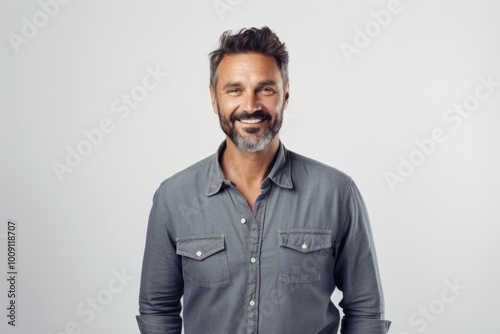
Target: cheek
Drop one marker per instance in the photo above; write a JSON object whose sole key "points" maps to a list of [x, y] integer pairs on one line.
{"points": [[276, 101], [228, 106], [278, 106]]}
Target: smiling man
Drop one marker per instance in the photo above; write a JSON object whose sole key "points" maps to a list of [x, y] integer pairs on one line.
{"points": [[256, 238]]}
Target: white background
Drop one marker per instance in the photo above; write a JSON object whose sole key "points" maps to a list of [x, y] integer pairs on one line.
{"points": [[361, 113]]}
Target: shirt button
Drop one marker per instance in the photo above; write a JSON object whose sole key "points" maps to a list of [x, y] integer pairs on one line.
{"points": [[253, 260], [199, 253], [252, 303], [243, 220], [304, 246]]}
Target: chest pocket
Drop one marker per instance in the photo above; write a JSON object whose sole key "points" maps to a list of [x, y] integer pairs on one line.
{"points": [[301, 254], [204, 260]]}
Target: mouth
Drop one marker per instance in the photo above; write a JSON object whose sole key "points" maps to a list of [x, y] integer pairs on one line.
{"points": [[252, 120]]}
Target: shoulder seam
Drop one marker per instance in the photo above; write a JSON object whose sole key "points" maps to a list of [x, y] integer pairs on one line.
{"points": [[345, 204], [199, 164]]}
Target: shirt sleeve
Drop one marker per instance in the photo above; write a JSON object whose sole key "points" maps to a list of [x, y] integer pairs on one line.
{"points": [[356, 271], [161, 279]]}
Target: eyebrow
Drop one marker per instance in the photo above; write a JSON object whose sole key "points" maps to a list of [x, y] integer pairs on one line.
{"points": [[232, 85], [239, 84], [268, 83]]}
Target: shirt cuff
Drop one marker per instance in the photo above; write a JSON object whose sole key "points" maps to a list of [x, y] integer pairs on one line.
{"points": [[154, 324], [364, 326]]}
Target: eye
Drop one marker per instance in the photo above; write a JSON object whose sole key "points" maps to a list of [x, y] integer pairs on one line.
{"points": [[233, 91], [267, 90]]}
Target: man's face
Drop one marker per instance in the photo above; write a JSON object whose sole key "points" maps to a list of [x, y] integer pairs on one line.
{"points": [[250, 99]]}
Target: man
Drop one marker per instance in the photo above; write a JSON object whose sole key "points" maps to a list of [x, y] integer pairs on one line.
{"points": [[255, 238]]}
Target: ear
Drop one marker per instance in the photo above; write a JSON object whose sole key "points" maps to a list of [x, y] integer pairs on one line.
{"points": [[286, 95], [213, 99]]}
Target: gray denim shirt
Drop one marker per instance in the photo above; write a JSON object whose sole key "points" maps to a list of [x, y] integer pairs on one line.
{"points": [[270, 271]]}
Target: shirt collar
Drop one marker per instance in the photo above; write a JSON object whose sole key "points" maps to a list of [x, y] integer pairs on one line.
{"points": [[281, 173]]}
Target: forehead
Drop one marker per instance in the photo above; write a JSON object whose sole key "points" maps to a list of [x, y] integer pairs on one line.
{"points": [[248, 66]]}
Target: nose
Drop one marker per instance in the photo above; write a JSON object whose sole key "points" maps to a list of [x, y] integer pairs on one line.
{"points": [[251, 102]]}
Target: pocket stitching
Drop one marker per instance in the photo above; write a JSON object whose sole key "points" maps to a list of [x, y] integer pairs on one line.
{"points": [[222, 247], [316, 274]]}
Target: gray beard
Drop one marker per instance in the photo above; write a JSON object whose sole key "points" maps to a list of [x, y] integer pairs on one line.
{"points": [[253, 144]]}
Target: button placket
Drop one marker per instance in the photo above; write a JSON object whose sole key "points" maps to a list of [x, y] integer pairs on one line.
{"points": [[255, 229], [253, 251]]}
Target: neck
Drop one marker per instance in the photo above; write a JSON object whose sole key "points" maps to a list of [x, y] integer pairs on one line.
{"points": [[248, 168]]}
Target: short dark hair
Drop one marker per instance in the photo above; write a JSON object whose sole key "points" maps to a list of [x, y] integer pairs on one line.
{"points": [[249, 40]]}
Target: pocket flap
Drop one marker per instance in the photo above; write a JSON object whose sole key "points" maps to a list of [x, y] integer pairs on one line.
{"points": [[305, 240], [200, 247]]}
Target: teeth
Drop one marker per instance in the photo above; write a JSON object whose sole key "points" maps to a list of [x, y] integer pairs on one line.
{"points": [[251, 121]]}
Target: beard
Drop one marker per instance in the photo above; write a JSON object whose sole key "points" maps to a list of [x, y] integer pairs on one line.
{"points": [[254, 142]]}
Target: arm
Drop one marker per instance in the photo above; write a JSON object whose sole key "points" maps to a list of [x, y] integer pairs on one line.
{"points": [[161, 281], [356, 271]]}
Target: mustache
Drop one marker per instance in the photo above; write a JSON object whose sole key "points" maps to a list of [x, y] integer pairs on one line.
{"points": [[256, 114]]}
